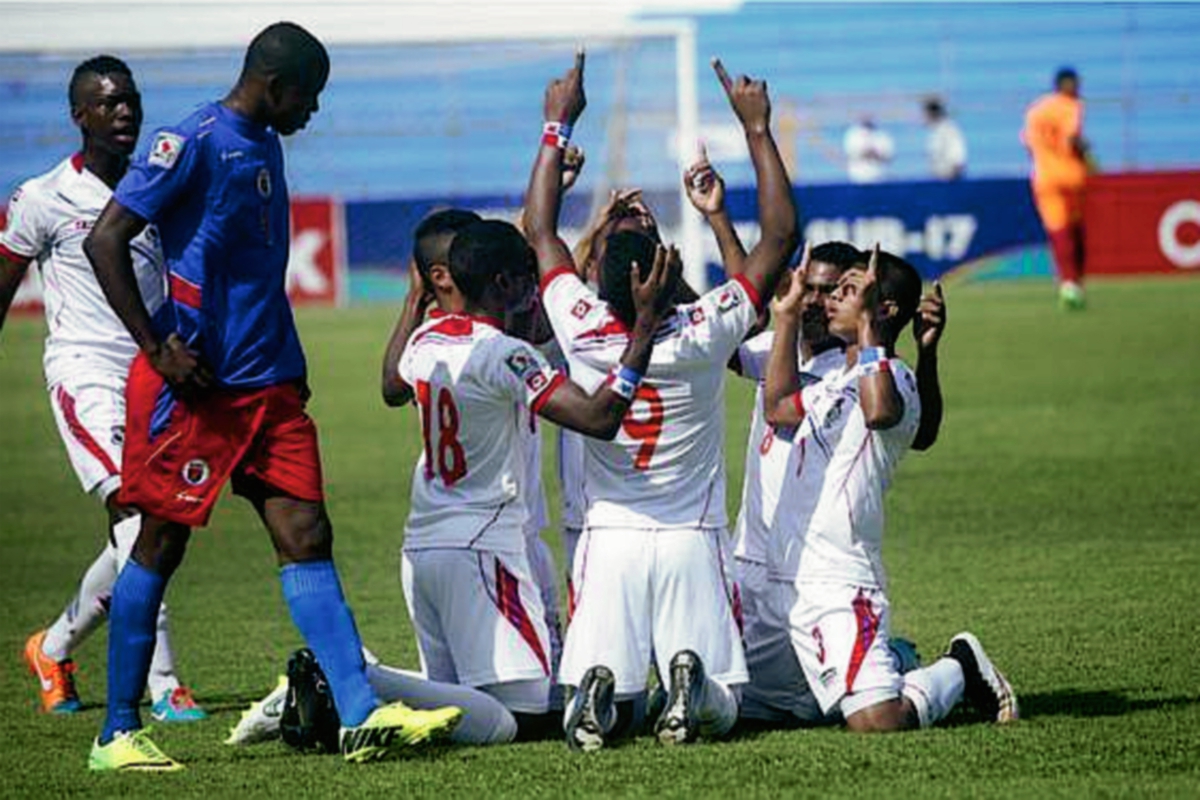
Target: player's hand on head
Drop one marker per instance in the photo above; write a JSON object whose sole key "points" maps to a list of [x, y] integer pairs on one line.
{"points": [[565, 99], [419, 292], [930, 319], [573, 160], [180, 366], [650, 295], [748, 98], [705, 186], [790, 292]]}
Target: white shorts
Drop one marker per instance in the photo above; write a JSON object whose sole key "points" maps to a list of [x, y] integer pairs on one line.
{"points": [[841, 636], [643, 595], [778, 692], [91, 422], [751, 578], [479, 619]]}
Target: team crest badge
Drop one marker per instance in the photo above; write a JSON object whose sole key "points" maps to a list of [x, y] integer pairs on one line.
{"points": [[696, 315], [581, 309], [728, 300], [521, 364], [263, 182], [165, 150], [196, 472]]}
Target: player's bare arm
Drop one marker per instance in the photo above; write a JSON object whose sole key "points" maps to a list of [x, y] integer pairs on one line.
{"points": [[881, 403], [928, 325], [621, 202], [600, 414], [776, 206], [107, 247], [573, 161], [12, 272], [395, 391], [706, 191], [781, 386], [563, 104]]}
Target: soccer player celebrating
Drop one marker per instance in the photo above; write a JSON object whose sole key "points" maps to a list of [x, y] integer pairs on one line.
{"points": [[218, 390], [88, 353], [1053, 133], [467, 578], [649, 572], [828, 581]]}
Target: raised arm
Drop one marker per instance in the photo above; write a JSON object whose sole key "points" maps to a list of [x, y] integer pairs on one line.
{"points": [[564, 102], [600, 414], [928, 325], [395, 391], [706, 191], [776, 208], [107, 248], [881, 403], [781, 384]]}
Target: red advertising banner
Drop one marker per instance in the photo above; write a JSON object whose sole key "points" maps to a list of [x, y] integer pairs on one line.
{"points": [[316, 262], [1146, 222]]}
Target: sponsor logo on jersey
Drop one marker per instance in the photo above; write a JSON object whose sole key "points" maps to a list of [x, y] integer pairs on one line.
{"points": [[521, 364], [196, 472], [118, 435], [695, 315], [728, 300], [537, 381], [263, 183], [165, 150], [828, 676], [581, 309]]}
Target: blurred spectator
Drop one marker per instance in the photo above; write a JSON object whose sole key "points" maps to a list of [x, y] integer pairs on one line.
{"points": [[945, 145], [868, 152]]}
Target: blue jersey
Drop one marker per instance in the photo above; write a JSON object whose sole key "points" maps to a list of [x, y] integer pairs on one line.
{"points": [[214, 187]]}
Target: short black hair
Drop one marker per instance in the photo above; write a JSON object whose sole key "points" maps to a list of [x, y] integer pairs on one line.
{"points": [[433, 237], [485, 249], [935, 108], [842, 255], [1064, 74], [621, 250], [899, 282], [287, 51], [97, 65]]}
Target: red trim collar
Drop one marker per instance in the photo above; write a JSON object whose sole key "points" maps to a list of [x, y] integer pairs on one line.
{"points": [[557, 272], [494, 322], [77, 162]]}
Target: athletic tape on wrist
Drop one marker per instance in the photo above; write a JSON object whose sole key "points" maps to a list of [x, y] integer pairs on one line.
{"points": [[869, 354], [557, 134], [625, 382], [874, 367]]}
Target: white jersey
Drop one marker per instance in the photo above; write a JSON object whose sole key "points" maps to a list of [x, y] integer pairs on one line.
{"points": [[829, 524], [48, 218], [767, 450], [666, 467], [476, 388]]}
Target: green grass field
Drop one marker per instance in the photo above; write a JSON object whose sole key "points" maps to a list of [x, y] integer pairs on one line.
{"points": [[1056, 518]]}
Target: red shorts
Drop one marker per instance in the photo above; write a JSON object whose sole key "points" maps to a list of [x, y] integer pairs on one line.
{"points": [[179, 455]]}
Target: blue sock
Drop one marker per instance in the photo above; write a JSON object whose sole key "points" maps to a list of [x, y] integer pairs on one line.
{"points": [[314, 596], [136, 596]]}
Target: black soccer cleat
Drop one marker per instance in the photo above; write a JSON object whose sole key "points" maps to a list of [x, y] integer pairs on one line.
{"points": [[986, 689], [590, 709], [678, 723], [309, 721]]}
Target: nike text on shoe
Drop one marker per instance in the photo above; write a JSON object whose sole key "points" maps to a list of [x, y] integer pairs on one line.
{"points": [[986, 689], [678, 723], [394, 727], [590, 709], [56, 682], [260, 722], [130, 751]]}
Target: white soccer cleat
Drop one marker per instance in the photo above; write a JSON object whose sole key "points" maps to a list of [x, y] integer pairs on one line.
{"points": [[987, 690], [260, 722]]}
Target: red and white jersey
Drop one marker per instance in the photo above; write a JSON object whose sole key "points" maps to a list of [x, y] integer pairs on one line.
{"points": [[767, 450], [666, 467], [476, 388], [48, 218], [829, 522]]}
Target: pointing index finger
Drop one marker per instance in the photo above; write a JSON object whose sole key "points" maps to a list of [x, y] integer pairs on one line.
{"points": [[722, 75], [580, 57]]}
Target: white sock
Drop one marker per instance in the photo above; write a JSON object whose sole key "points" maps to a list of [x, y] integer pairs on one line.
{"points": [[541, 561], [485, 720], [125, 534], [162, 679], [934, 690], [87, 609], [718, 710]]}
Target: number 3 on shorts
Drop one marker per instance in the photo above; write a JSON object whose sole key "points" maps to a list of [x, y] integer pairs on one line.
{"points": [[644, 424]]}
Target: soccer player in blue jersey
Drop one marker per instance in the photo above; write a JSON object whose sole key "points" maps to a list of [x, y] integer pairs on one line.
{"points": [[218, 390]]}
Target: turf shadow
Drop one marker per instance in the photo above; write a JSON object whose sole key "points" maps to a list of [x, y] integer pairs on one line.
{"points": [[1103, 703]]}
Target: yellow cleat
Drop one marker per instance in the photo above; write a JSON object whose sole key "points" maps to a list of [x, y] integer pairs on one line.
{"points": [[128, 752], [393, 727]]}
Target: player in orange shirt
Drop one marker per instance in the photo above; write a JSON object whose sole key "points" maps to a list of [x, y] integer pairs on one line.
{"points": [[1054, 135]]}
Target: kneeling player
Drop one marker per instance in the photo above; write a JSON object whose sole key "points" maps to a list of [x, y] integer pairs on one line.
{"points": [[828, 580]]}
